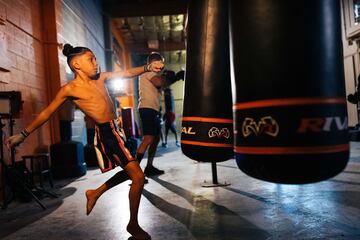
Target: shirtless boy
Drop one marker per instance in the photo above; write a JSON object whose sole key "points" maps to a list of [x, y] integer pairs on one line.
{"points": [[88, 92]]}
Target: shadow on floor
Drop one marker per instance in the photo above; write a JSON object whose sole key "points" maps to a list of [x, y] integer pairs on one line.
{"points": [[208, 220], [18, 215], [344, 182], [301, 207]]}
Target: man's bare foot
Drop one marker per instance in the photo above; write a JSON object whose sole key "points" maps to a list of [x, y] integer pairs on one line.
{"points": [[137, 232], [91, 200]]}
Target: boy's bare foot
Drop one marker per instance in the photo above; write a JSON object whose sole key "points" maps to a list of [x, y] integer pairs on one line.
{"points": [[137, 232], [91, 200]]}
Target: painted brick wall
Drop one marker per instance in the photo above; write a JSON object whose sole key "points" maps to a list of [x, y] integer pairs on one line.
{"points": [[78, 22], [25, 53]]}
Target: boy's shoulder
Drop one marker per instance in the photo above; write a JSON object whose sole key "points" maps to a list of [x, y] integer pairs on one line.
{"points": [[69, 87]]}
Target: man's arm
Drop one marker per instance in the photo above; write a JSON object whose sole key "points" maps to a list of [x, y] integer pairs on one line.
{"points": [[156, 66], [158, 81], [43, 116]]}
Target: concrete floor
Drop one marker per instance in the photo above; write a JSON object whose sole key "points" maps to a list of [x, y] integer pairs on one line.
{"points": [[174, 206]]}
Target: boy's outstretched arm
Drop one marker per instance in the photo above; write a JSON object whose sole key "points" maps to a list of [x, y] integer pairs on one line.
{"points": [[40, 119], [155, 66]]}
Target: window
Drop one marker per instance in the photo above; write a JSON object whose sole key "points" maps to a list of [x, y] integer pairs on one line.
{"points": [[356, 7], [4, 61], [351, 14]]}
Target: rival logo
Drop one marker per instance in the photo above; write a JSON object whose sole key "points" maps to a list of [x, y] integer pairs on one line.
{"points": [[266, 125], [325, 124], [215, 132], [187, 130]]}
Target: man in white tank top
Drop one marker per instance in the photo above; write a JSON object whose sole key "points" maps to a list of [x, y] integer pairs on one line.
{"points": [[149, 105]]}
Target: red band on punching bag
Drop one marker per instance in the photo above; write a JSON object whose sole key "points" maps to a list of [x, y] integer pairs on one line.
{"points": [[293, 150], [209, 120], [288, 102], [206, 144]]}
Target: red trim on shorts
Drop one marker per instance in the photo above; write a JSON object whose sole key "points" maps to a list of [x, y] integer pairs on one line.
{"points": [[102, 147], [121, 143]]}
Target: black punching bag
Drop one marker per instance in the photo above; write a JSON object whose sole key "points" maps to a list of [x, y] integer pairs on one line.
{"points": [[289, 95], [207, 125]]}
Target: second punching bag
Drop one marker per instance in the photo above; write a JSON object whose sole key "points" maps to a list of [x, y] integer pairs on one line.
{"points": [[207, 126], [290, 107]]}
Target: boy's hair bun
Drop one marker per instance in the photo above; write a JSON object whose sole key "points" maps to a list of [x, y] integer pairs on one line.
{"points": [[67, 50]]}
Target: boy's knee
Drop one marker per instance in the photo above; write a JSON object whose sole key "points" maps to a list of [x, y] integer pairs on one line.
{"points": [[139, 178]]}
